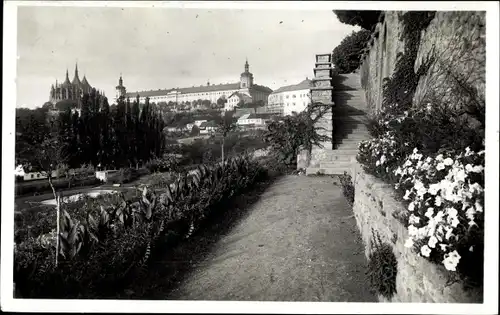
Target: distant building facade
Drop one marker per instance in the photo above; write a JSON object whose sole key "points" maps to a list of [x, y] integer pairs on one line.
{"points": [[71, 91], [244, 90], [290, 98]]}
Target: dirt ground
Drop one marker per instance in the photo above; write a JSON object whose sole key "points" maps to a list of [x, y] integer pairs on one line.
{"points": [[298, 242]]}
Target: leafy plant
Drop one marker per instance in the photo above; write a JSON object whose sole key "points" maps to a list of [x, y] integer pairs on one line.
{"points": [[382, 268], [287, 136], [347, 187]]}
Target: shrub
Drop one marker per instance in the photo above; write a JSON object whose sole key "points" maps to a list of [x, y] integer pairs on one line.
{"points": [[347, 187], [105, 247], [444, 187], [287, 136], [382, 268], [347, 55]]}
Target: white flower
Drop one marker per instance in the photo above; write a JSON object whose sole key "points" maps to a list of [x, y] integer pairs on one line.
{"points": [[415, 150], [470, 213], [407, 195], [398, 171], [468, 168], [438, 201], [377, 163], [448, 161], [443, 247], [429, 213], [409, 243], [412, 230], [455, 222], [471, 249], [440, 166], [411, 206], [420, 188], [433, 189], [439, 157], [432, 241], [439, 216], [475, 188], [478, 206], [451, 260], [382, 159], [460, 175], [425, 251], [477, 169], [449, 232], [413, 219], [451, 212], [407, 163]]}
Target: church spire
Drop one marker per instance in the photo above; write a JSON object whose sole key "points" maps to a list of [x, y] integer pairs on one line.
{"points": [[246, 65], [66, 81], [76, 79]]}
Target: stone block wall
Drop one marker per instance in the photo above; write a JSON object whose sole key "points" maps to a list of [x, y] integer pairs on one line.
{"points": [[418, 280], [456, 40]]}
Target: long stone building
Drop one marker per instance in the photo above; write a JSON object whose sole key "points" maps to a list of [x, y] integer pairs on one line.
{"points": [[243, 91]]}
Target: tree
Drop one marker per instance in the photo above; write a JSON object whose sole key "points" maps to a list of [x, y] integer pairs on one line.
{"points": [[347, 55], [195, 131], [365, 19], [225, 125], [49, 156], [221, 101], [253, 105]]}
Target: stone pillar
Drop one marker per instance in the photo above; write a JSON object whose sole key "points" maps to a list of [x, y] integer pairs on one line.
{"points": [[322, 93]]}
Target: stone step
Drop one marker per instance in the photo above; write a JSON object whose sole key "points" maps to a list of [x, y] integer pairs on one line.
{"points": [[348, 104], [336, 164], [347, 141], [351, 119], [329, 171], [347, 146], [353, 136]]}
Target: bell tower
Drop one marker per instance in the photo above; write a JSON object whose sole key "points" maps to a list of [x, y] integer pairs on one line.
{"points": [[120, 89], [246, 78]]}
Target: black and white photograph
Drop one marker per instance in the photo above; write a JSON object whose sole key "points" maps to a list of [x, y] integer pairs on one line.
{"points": [[183, 156]]}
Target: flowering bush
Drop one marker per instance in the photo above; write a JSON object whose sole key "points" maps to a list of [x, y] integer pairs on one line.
{"points": [[437, 166], [446, 204]]}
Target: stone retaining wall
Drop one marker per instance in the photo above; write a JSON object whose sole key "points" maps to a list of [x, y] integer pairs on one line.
{"points": [[456, 42], [418, 280]]}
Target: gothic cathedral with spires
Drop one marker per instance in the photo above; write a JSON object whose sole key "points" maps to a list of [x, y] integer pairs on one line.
{"points": [[72, 91]]}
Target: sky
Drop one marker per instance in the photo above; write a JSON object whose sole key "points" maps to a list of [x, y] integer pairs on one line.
{"points": [[161, 48]]}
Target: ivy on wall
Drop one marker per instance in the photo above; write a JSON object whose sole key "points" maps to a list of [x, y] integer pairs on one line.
{"points": [[401, 86]]}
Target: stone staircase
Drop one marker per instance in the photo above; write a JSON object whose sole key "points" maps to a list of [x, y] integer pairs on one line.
{"points": [[346, 124]]}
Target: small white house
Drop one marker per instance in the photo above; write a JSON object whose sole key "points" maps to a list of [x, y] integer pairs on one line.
{"points": [[235, 99], [208, 127], [199, 122], [258, 121]]}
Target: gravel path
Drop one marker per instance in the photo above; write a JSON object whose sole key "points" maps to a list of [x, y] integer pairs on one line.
{"points": [[299, 242]]}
